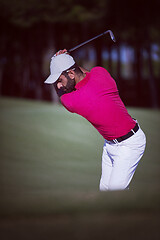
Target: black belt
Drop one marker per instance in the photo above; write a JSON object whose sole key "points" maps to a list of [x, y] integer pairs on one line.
{"points": [[131, 133]]}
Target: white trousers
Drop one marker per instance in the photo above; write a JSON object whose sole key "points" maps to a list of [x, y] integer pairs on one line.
{"points": [[119, 161]]}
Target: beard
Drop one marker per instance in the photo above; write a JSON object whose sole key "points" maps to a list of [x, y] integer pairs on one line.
{"points": [[70, 87]]}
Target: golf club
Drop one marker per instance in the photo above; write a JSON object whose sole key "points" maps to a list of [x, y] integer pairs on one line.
{"points": [[102, 34]]}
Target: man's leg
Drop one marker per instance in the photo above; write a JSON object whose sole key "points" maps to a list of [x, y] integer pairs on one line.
{"points": [[119, 162], [126, 159], [106, 169]]}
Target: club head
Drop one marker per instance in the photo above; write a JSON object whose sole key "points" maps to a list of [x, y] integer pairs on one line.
{"points": [[111, 35]]}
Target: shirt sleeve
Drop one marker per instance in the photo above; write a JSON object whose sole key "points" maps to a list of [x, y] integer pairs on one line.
{"points": [[103, 77], [100, 72], [67, 101]]}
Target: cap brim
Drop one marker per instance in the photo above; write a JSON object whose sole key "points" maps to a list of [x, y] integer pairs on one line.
{"points": [[52, 78]]}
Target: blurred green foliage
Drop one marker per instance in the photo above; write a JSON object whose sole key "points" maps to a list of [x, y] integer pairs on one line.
{"points": [[132, 19]]}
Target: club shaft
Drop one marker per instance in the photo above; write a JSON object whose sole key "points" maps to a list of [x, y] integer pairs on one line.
{"points": [[82, 44]]}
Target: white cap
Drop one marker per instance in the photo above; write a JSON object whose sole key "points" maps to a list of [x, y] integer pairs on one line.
{"points": [[59, 64]]}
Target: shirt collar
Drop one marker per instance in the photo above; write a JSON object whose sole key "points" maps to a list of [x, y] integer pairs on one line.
{"points": [[83, 81]]}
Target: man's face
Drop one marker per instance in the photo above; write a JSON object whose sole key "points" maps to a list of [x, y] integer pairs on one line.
{"points": [[66, 83]]}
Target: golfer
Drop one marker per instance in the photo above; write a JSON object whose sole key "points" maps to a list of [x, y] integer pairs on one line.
{"points": [[94, 95]]}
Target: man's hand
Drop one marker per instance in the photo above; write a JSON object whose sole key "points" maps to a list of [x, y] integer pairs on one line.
{"points": [[60, 52]]}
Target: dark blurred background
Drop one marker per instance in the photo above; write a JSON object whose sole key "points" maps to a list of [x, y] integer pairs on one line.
{"points": [[33, 30]]}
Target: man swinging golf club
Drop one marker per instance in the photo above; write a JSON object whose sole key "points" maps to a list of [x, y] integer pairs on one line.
{"points": [[94, 95]]}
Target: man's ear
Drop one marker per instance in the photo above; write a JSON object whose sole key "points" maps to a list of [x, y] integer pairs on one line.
{"points": [[71, 74]]}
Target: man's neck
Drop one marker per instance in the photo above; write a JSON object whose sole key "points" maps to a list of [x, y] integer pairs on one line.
{"points": [[80, 77]]}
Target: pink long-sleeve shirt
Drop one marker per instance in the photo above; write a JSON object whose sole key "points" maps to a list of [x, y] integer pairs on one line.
{"points": [[97, 99]]}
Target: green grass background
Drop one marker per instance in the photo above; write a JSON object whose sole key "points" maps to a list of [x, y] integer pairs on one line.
{"points": [[50, 167]]}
